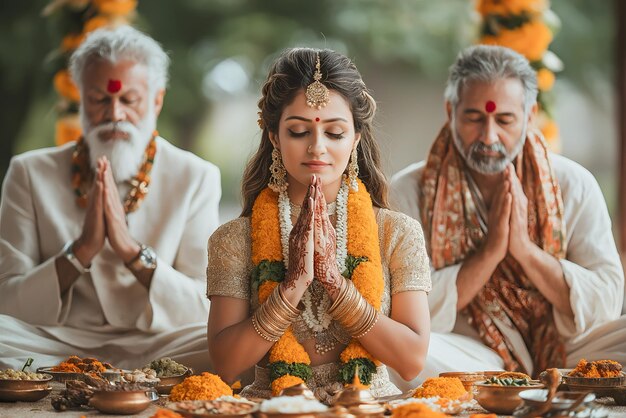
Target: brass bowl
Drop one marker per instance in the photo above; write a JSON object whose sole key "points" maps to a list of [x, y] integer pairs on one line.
{"points": [[24, 395], [591, 383], [501, 399], [164, 387], [120, 402], [15, 384]]}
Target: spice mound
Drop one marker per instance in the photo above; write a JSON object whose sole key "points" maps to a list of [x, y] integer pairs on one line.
{"points": [[145, 375], [415, 410], [595, 369], [166, 367], [206, 386], [165, 413], [77, 393], [224, 405], [75, 364], [443, 387], [10, 374]]}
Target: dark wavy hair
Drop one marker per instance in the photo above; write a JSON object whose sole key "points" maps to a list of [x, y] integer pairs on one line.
{"points": [[290, 73]]}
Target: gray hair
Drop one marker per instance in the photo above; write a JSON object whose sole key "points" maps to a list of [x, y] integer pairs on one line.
{"points": [[489, 63], [123, 42]]}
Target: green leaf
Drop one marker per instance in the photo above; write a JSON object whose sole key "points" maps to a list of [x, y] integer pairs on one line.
{"points": [[366, 369], [351, 263], [268, 270], [281, 368]]}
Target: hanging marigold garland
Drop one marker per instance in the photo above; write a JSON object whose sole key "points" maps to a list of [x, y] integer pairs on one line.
{"points": [[290, 364], [76, 19], [528, 27]]}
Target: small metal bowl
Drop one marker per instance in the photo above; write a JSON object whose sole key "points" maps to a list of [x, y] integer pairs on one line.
{"points": [[24, 395], [164, 387], [19, 384], [120, 402], [501, 399]]}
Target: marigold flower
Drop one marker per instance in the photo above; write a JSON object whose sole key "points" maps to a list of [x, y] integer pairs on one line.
{"points": [[72, 41], [289, 350], [550, 130], [545, 79], [284, 382], [67, 129], [531, 39], [65, 86], [266, 289], [115, 7], [95, 23]]}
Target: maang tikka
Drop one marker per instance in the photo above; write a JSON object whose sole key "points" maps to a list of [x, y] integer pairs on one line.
{"points": [[317, 94]]}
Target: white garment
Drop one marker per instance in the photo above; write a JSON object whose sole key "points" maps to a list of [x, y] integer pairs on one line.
{"points": [[108, 306], [592, 270]]}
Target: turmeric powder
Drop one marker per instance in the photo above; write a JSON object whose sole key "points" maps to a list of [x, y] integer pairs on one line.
{"points": [[75, 364], [206, 387], [595, 369], [444, 387], [166, 413], [415, 410]]}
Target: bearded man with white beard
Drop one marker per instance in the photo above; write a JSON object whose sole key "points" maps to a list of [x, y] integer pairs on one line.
{"points": [[103, 241], [525, 271]]}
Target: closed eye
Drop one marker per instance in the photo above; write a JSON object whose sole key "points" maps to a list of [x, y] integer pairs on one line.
{"points": [[336, 136], [297, 134]]}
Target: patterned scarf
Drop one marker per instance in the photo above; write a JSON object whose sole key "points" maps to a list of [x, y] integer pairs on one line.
{"points": [[452, 225]]}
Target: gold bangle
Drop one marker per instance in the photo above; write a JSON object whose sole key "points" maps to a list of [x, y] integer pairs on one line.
{"points": [[369, 328], [272, 319], [262, 334]]}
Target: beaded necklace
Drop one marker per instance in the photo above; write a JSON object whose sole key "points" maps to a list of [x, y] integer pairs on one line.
{"points": [[82, 174]]}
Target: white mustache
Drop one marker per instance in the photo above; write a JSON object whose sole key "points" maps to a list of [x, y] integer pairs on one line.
{"points": [[126, 127]]}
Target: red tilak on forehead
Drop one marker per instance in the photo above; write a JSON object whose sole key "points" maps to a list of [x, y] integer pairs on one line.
{"points": [[490, 106], [114, 86], [317, 119]]}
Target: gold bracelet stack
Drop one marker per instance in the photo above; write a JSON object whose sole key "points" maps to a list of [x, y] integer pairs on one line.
{"points": [[352, 311], [273, 318]]}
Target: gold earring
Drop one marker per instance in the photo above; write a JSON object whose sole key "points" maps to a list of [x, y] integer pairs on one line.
{"points": [[353, 170], [278, 179]]}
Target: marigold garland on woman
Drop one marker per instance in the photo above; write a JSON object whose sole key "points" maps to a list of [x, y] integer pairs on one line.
{"points": [[309, 291]]}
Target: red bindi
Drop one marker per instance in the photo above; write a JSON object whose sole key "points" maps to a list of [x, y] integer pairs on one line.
{"points": [[317, 119], [490, 106], [114, 86]]}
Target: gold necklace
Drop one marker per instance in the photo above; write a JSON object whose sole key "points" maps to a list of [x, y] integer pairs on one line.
{"points": [[82, 174]]}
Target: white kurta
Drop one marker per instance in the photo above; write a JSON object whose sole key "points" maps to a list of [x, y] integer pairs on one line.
{"points": [[592, 270], [106, 311]]}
